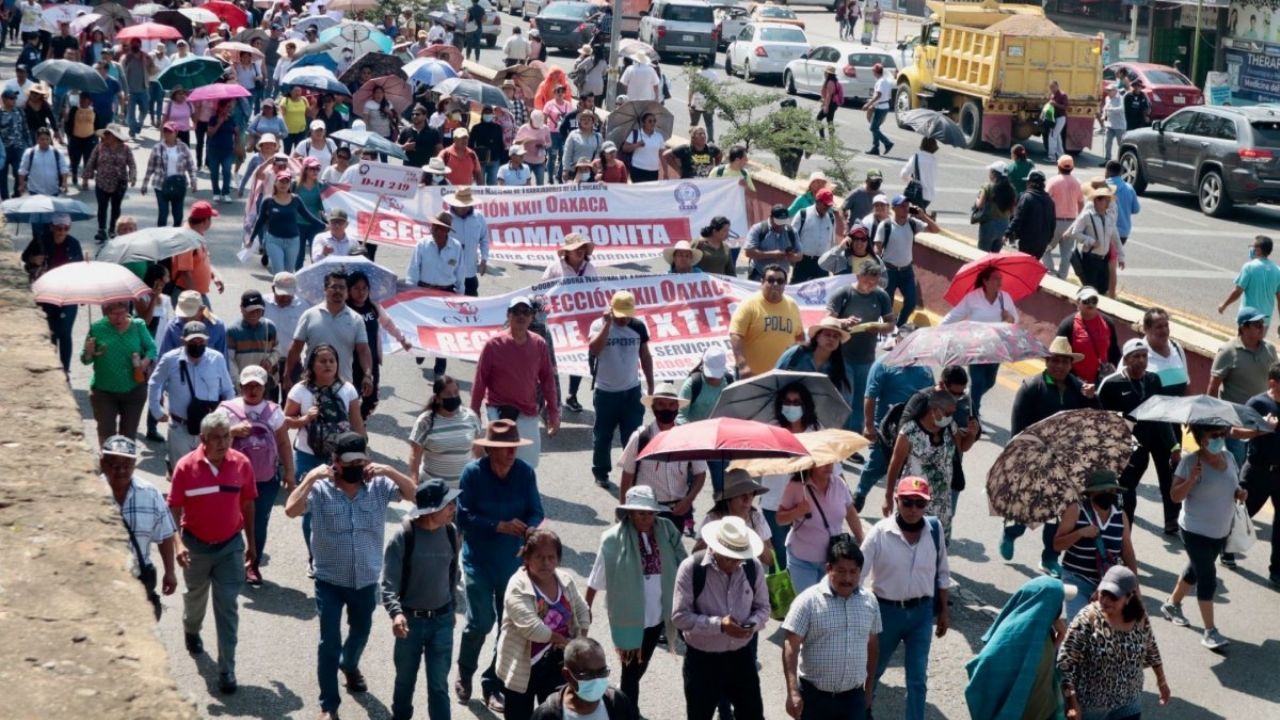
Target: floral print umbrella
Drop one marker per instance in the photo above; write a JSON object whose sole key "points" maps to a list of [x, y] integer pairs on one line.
{"points": [[1042, 470], [966, 343]]}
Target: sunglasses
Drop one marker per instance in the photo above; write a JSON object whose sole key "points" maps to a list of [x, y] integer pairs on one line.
{"points": [[775, 281], [1092, 302], [913, 503]]}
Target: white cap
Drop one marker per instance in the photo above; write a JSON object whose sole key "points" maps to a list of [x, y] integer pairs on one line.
{"points": [[520, 300], [284, 283], [714, 362], [1134, 345], [317, 125], [253, 374], [1086, 293], [881, 198]]}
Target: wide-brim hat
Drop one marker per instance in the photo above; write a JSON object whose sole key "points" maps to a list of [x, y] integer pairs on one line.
{"points": [[433, 495], [1101, 481], [830, 323], [739, 482], [669, 252], [640, 498], [731, 537], [114, 131], [500, 434], [665, 391], [436, 166], [461, 198], [585, 50], [1062, 346], [572, 242]]}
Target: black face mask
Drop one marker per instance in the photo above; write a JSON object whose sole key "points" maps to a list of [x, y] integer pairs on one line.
{"points": [[353, 474], [909, 527], [1105, 500], [195, 351], [873, 184], [665, 417], [451, 403]]}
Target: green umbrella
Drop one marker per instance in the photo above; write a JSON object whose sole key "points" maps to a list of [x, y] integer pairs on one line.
{"points": [[191, 72]]}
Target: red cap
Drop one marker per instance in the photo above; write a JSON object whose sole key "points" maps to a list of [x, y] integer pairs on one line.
{"points": [[825, 196], [171, 127], [917, 486], [202, 211]]}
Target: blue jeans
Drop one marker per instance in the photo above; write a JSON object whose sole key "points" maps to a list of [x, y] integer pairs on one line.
{"points": [[991, 234], [878, 137], [491, 173], [555, 169], [485, 588], [220, 163], [136, 111], [857, 373], [903, 279], [715, 471], [156, 99], [429, 639], [267, 492], [914, 628], [539, 173], [616, 412], [1048, 554], [778, 537], [334, 653], [981, 379], [875, 469], [281, 252], [61, 320], [1130, 711], [1084, 587], [303, 463], [804, 574]]}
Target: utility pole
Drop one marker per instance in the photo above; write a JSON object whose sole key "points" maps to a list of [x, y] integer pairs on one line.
{"points": [[1195, 49], [615, 37]]}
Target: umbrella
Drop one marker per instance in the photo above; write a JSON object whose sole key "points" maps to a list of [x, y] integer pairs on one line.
{"points": [[70, 74], [55, 14], [115, 12], [527, 76], [42, 208], [934, 124], [147, 9], [1200, 410], [447, 53], [473, 90], [754, 399], [149, 31], [152, 244], [200, 15], [382, 64], [82, 22], [1043, 468], [1021, 273], [722, 439], [248, 36], [319, 59], [88, 283], [227, 13], [397, 91], [360, 38], [370, 141], [428, 71], [321, 23], [352, 5], [315, 78], [628, 114], [826, 447], [191, 72], [382, 282], [632, 48], [230, 51], [175, 19], [966, 343], [218, 91]]}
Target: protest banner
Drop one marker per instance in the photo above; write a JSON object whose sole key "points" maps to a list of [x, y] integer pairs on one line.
{"points": [[627, 223], [385, 179], [685, 313]]}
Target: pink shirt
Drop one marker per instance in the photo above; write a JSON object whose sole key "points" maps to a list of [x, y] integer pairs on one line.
{"points": [[180, 115], [1068, 198], [555, 110], [509, 373], [809, 536]]}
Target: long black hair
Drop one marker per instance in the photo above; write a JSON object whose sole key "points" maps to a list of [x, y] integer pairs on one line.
{"points": [[309, 377], [1003, 193], [810, 416], [836, 373]]}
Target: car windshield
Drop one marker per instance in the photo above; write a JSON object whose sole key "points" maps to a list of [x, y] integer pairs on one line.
{"points": [[783, 35], [777, 12], [1166, 77], [689, 13], [1267, 134], [566, 10], [869, 59]]}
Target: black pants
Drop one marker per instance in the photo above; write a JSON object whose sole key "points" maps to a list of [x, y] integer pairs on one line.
{"points": [[1263, 483], [170, 205], [544, 680], [1137, 467], [114, 199], [633, 671], [806, 269], [202, 132], [708, 676], [78, 151], [639, 176], [1202, 553], [471, 286], [819, 705], [12, 158]]}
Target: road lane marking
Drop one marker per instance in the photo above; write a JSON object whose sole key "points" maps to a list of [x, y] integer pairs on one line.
{"points": [[1132, 272]]}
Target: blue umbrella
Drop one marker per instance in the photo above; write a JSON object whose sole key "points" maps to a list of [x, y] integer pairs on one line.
{"points": [[429, 71], [370, 141], [42, 208], [66, 74], [314, 77], [317, 60], [360, 38], [382, 282]]}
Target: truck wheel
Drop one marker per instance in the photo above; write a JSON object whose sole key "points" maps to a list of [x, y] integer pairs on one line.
{"points": [[1131, 171], [901, 104], [1212, 194], [971, 124]]}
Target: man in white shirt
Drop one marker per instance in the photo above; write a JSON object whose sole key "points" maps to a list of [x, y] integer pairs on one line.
{"points": [[1113, 111], [284, 311], [436, 34], [881, 95], [469, 228], [21, 84], [675, 483], [815, 231], [335, 241], [515, 50], [619, 342], [895, 244], [180, 371], [437, 262], [641, 80]]}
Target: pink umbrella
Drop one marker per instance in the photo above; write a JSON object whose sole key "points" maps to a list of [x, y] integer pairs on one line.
{"points": [[218, 91], [397, 91], [149, 31], [723, 438], [88, 283]]}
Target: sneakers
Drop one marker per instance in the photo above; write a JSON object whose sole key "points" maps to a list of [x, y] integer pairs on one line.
{"points": [[602, 481], [1228, 560], [1173, 613], [1006, 547], [227, 683], [573, 404], [873, 151], [1213, 639], [858, 501], [888, 148], [1051, 568]]}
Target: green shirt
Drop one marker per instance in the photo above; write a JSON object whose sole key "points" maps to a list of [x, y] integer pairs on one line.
{"points": [[113, 363], [1018, 172]]}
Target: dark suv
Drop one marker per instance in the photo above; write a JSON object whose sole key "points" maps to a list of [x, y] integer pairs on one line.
{"points": [[1225, 155]]}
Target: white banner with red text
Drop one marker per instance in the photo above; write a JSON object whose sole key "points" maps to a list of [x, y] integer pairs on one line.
{"points": [[685, 314], [627, 223]]}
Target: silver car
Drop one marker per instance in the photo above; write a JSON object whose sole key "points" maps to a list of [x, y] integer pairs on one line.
{"points": [[682, 27], [852, 62]]}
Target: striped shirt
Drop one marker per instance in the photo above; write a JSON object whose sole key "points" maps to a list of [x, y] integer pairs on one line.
{"points": [[347, 532], [446, 443], [148, 518], [249, 345], [1083, 558], [834, 632]]}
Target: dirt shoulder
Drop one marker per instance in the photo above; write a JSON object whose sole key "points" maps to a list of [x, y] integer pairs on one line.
{"points": [[79, 640]]}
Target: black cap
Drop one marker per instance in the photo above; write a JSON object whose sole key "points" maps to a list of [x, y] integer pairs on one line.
{"points": [[350, 446], [432, 496], [779, 212], [1036, 176], [252, 299]]}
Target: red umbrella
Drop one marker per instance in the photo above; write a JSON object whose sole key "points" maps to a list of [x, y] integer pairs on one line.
{"points": [[722, 439], [1022, 274], [149, 31], [227, 13]]}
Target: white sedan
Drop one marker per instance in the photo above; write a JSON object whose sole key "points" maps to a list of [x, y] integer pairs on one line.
{"points": [[764, 49], [852, 63]]}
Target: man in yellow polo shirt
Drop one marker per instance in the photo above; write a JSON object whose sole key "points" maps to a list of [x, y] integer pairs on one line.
{"points": [[765, 325]]}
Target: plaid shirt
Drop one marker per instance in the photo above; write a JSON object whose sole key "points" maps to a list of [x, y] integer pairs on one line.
{"points": [[148, 518], [157, 167], [519, 111], [14, 132], [347, 533], [834, 633]]}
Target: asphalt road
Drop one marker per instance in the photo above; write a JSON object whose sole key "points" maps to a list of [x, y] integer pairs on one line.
{"points": [[1177, 257]]}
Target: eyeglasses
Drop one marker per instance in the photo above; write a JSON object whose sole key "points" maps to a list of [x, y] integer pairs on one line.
{"points": [[589, 674], [521, 311], [1090, 302], [775, 281], [916, 503]]}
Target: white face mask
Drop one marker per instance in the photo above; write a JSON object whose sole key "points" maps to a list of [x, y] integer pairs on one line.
{"points": [[793, 413], [584, 176], [943, 421]]}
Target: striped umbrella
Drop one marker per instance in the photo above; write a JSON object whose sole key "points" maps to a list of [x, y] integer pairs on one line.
{"points": [[88, 283]]}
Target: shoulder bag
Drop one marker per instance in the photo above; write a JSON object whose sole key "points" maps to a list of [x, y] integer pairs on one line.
{"points": [[914, 192]]}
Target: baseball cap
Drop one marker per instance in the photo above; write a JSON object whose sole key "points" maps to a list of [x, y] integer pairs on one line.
{"points": [[779, 212], [880, 199], [825, 196], [1134, 345], [899, 200], [519, 300], [202, 211], [913, 486], [874, 174], [171, 127], [120, 445], [517, 150], [608, 147], [714, 362], [253, 374], [9, 93], [1249, 314], [252, 300], [284, 283], [1036, 176], [189, 304], [338, 214], [460, 133], [350, 446], [623, 304], [195, 330], [1119, 581], [1066, 162], [317, 125], [1086, 293]]}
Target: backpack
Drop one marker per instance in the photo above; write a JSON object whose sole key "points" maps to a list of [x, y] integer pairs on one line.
{"points": [[696, 389], [260, 444], [406, 564], [331, 422], [632, 137], [700, 576]]}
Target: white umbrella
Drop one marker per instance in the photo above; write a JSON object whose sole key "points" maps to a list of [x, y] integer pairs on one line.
{"points": [[147, 9], [88, 283], [83, 22], [200, 15]]}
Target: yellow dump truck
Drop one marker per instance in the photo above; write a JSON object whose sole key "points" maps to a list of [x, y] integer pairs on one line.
{"points": [[989, 65]]}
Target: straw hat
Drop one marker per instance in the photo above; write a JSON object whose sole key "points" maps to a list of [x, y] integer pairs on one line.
{"points": [[665, 391], [436, 167], [830, 323], [731, 538], [669, 253], [1062, 346], [572, 242], [502, 434], [114, 131], [461, 198]]}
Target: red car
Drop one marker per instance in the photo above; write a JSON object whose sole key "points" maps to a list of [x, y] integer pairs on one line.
{"points": [[1167, 89]]}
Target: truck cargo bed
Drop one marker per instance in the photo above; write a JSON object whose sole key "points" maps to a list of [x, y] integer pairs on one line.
{"points": [[992, 64]]}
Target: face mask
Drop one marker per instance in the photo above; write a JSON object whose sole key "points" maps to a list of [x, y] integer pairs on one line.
{"points": [[943, 421], [1216, 445], [592, 690], [793, 413], [1105, 500], [909, 527], [1252, 253], [195, 351], [74, 99], [584, 176], [450, 404], [665, 417], [353, 474], [487, 117]]}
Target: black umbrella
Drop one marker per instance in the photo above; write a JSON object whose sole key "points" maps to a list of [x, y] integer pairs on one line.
{"points": [[175, 20], [934, 124], [71, 75], [1200, 410], [382, 64], [473, 90]]}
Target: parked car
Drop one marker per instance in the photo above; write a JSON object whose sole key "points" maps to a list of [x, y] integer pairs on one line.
{"points": [[455, 13], [1226, 155], [1166, 88], [768, 12], [730, 19], [531, 8], [764, 49], [513, 7], [681, 27], [852, 62], [566, 25]]}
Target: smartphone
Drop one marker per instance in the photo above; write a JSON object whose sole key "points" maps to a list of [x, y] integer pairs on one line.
{"points": [[748, 626]]}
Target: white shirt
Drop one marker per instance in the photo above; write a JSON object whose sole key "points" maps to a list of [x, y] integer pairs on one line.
{"points": [[884, 86], [928, 172], [974, 306], [1113, 108], [652, 585], [647, 156], [324, 240], [435, 34], [669, 480], [699, 101], [331, 174], [472, 233], [286, 321], [815, 232], [171, 160], [516, 48], [306, 149], [898, 240], [899, 570], [302, 395], [508, 175], [641, 82]]}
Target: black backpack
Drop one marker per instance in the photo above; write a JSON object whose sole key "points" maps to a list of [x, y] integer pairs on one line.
{"points": [[406, 566], [700, 577], [331, 422]]}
